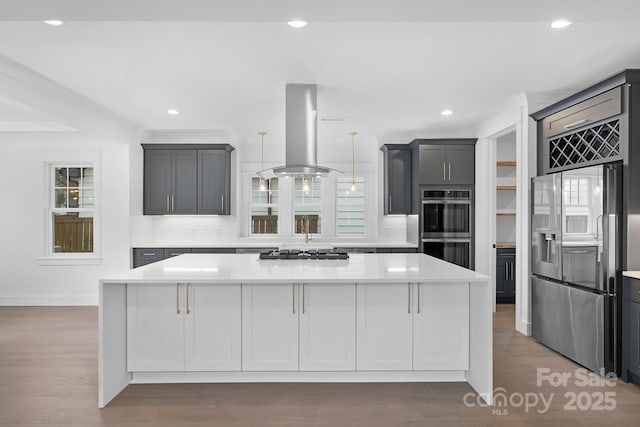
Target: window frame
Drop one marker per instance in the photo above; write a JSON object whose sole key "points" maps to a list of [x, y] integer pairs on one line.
{"points": [[365, 225], [276, 206], [50, 254], [320, 205]]}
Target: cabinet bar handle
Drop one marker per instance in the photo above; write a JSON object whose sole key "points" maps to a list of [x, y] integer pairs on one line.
{"points": [[149, 254], [409, 298], [444, 171], [449, 171], [168, 210], [390, 204], [188, 311], [178, 298], [173, 203], [222, 203], [293, 298], [303, 292], [418, 285], [574, 124]]}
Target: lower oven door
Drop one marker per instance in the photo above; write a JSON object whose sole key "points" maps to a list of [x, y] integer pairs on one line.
{"points": [[456, 251], [446, 218]]}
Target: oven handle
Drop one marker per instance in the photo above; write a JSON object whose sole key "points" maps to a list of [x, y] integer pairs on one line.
{"points": [[446, 202], [446, 239]]}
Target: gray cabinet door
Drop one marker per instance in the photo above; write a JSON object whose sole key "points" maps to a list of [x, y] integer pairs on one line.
{"points": [[460, 164], [433, 164], [157, 182], [184, 182], [634, 337], [505, 275], [398, 182], [213, 182]]}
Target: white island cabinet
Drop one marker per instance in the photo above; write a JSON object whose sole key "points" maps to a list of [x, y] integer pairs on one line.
{"points": [[298, 327], [183, 328], [233, 318], [269, 327]]}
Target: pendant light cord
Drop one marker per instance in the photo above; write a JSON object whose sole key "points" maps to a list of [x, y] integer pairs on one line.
{"points": [[353, 158]]}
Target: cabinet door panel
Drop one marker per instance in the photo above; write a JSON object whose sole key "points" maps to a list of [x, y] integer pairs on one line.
{"points": [[433, 167], [634, 337], [441, 329], [213, 197], [328, 327], [460, 164], [384, 327], [398, 182], [155, 329], [213, 328], [501, 275], [269, 327], [185, 177], [157, 181]]}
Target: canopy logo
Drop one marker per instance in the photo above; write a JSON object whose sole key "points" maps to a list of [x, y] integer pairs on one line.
{"points": [[595, 396]]}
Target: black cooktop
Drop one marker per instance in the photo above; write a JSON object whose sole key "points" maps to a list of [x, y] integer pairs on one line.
{"points": [[304, 254]]}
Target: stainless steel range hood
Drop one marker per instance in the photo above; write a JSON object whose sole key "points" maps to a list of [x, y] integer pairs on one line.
{"points": [[301, 143]]}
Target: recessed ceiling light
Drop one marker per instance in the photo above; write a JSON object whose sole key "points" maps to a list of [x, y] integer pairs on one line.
{"points": [[296, 23], [173, 112], [560, 23], [446, 112], [55, 22]]}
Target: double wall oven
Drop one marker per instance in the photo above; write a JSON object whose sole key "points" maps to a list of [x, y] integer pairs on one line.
{"points": [[447, 224]]}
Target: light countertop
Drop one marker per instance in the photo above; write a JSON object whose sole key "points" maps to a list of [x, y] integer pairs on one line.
{"points": [[631, 274], [247, 268], [299, 244]]}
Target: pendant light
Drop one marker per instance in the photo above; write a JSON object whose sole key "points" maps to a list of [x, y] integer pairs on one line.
{"points": [[353, 161], [263, 184]]}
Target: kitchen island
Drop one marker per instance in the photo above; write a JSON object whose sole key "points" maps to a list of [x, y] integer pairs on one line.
{"points": [[235, 318]]}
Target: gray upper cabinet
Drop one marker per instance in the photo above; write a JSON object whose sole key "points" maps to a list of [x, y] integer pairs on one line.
{"points": [[213, 182], [397, 179], [184, 181], [461, 164], [443, 162], [187, 179], [157, 182]]}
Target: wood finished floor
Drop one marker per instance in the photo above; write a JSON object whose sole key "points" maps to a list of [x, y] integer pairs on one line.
{"points": [[48, 376]]}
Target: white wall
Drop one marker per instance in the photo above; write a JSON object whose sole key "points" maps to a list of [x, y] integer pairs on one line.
{"points": [[99, 136], [28, 278], [512, 116]]}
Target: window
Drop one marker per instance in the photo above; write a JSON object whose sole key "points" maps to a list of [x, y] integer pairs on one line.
{"points": [[307, 205], [576, 201], [71, 209], [264, 206], [350, 206], [576, 191]]}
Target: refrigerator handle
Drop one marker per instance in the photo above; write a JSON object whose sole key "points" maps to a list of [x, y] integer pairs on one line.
{"points": [[611, 287]]}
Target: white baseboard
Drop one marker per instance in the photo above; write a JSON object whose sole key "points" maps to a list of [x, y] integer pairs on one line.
{"points": [[48, 300], [523, 327], [297, 376]]}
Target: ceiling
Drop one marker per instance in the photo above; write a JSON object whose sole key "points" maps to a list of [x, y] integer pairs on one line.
{"points": [[385, 68]]}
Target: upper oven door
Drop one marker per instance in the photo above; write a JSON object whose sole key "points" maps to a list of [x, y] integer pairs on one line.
{"points": [[446, 218]]}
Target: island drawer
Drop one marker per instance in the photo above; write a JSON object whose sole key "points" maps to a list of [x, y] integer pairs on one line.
{"points": [[144, 256], [171, 252]]}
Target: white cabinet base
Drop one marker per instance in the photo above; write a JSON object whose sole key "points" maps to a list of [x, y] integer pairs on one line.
{"points": [[300, 377]]}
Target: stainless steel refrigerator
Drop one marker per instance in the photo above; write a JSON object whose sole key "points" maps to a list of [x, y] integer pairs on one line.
{"points": [[576, 264]]}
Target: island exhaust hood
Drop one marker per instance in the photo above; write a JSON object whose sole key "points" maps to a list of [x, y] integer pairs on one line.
{"points": [[301, 139]]}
